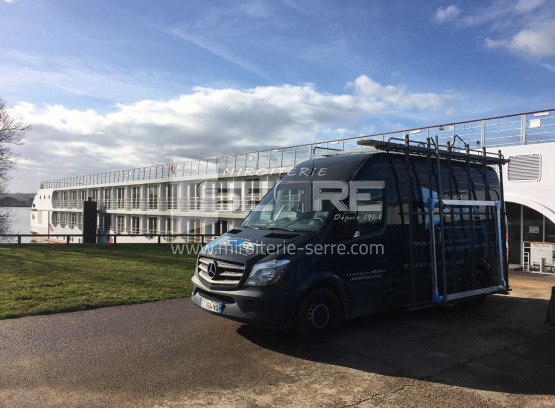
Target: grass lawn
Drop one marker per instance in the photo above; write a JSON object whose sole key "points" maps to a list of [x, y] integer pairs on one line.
{"points": [[41, 278]]}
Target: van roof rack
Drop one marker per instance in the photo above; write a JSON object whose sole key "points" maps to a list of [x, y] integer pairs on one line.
{"points": [[449, 150]]}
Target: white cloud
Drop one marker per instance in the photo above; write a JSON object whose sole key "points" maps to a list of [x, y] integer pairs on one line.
{"points": [[526, 6], [529, 42], [444, 14], [395, 96], [524, 27], [495, 14], [205, 122]]}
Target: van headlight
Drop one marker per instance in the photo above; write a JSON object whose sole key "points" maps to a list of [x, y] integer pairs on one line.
{"points": [[267, 273]]}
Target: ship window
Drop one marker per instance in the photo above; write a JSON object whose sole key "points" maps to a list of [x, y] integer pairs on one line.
{"points": [[172, 196], [108, 198], [252, 193], [152, 225], [135, 225], [120, 223], [196, 229], [152, 197], [173, 225], [193, 203], [120, 196], [220, 227], [135, 197], [72, 222]]}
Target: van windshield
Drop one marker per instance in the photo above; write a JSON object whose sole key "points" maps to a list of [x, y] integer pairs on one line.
{"points": [[289, 206]]}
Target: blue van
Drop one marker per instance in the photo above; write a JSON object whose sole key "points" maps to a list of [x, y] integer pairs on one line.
{"points": [[401, 225]]}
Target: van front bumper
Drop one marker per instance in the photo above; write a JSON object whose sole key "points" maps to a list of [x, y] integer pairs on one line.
{"points": [[264, 306]]}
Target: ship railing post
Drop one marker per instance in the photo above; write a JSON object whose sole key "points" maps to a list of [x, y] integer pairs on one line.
{"points": [[523, 129], [483, 133]]}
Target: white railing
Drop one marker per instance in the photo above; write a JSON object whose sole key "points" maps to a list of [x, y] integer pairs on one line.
{"points": [[225, 204], [59, 227], [524, 128], [68, 224], [70, 204]]}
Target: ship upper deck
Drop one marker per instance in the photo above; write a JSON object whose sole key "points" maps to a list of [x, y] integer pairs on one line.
{"points": [[491, 133]]}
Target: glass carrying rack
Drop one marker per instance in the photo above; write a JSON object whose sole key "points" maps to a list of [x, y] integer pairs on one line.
{"points": [[448, 217]]}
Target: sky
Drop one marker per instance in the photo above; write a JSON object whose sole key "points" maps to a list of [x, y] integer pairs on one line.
{"points": [[109, 85]]}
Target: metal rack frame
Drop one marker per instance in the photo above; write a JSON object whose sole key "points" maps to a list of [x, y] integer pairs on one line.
{"points": [[495, 209]]}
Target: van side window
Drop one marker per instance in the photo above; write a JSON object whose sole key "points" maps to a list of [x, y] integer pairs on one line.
{"points": [[370, 209]]}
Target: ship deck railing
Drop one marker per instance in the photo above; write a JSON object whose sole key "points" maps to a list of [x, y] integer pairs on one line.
{"points": [[187, 204], [152, 237], [494, 132]]}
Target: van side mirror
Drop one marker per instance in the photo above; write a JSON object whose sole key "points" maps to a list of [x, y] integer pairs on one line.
{"points": [[346, 225]]}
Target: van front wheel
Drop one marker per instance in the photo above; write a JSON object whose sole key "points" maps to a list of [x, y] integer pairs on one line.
{"points": [[318, 316]]}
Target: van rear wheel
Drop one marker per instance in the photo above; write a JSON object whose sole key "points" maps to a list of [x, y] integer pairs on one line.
{"points": [[477, 302], [318, 316]]}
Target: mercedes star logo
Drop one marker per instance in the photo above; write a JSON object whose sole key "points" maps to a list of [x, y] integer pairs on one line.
{"points": [[212, 270]]}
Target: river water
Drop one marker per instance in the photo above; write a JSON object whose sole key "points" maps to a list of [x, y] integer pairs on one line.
{"points": [[19, 222]]}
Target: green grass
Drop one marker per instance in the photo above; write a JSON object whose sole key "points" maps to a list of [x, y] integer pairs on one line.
{"points": [[38, 279]]}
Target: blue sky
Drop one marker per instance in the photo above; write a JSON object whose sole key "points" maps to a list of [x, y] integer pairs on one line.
{"points": [[118, 84]]}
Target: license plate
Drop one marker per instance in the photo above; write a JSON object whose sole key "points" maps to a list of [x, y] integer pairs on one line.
{"points": [[211, 305]]}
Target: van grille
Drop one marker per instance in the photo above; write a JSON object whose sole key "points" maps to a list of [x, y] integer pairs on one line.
{"points": [[226, 273]]}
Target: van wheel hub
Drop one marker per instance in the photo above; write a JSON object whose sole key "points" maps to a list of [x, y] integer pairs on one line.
{"points": [[318, 315]]}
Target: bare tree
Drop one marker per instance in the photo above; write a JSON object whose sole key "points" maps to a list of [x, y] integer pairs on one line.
{"points": [[12, 130]]}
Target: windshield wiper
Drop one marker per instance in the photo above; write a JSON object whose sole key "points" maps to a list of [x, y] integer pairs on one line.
{"points": [[277, 229]]}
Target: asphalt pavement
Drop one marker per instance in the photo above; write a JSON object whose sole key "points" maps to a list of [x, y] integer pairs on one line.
{"points": [[172, 354]]}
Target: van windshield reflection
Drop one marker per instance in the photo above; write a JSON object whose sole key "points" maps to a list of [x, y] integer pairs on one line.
{"points": [[289, 207]]}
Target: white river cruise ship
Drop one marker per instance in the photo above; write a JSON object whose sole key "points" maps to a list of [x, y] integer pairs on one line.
{"points": [[211, 196]]}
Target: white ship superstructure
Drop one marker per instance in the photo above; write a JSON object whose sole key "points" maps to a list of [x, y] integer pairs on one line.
{"points": [[211, 196]]}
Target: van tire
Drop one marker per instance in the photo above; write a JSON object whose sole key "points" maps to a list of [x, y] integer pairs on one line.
{"points": [[318, 316]]}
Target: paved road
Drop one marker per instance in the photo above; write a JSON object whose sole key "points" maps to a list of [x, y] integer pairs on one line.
{"points": [[171, 354]]}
